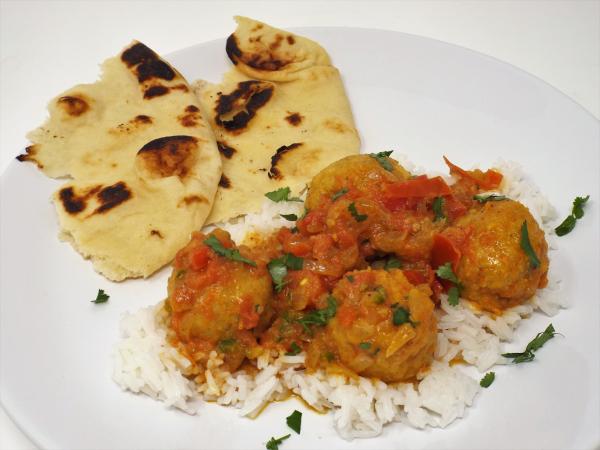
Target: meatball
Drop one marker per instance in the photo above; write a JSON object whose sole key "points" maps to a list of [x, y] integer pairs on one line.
{"points": [[384, 326], [361, 172], [217, 302], [495, 271]]}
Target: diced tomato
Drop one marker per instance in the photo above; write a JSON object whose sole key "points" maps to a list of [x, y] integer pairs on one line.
{"points": [[444, 250], [419, 187], [490, 179], [453, 208], [313, 222], [346, 315], [199, 258], [248, 314], [415, 277]]}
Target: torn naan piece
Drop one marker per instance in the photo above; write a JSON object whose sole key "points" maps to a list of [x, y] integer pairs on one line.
{"points": [[280, 115], [143, 161]]}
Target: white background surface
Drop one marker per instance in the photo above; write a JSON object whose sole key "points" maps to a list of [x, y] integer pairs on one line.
{"points": [[46, 47]]}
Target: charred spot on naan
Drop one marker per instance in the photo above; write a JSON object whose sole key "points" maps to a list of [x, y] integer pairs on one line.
{"points": [[191, 199], [191, 117], [73, 105], [224, 182], [294, 119], [156, 233], [225, 150], [168, 156], [107, 198], [132, 125], [236, 109], [29, 155], [261, 56], [274, 171], [146, 64]]}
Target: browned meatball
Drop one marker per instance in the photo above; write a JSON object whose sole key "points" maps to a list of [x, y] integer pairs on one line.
{"points": [[361, 172], [494, 269], [384, 326]]}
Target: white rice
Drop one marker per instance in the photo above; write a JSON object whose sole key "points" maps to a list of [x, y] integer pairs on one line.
{"points": [[144, 362]]}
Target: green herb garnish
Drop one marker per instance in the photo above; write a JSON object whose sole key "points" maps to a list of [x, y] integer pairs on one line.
{"points": [[534, 261], [319, 316], [400, 315], [536, 343], [380, 296], [278, 268], [365, 345], [339, 194], [282, 195], [358, 217], [329, 356], [393, 263], [229, 253], [577, 212], [294, 421], [290, 217], [274, 444], [482, 198], [487, 380], [294, 349], [225, 345], [101, 297], [445, 272], [350, 278], [382, 159], [438, 208]]}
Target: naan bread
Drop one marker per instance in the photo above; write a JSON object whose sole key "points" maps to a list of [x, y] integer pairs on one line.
{"points": [[143, 159], [280, 116]]}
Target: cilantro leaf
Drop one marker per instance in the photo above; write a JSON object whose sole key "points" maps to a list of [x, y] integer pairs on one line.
{"points": [[101, 297], [329, 356], [319, 316], [534, 261], [482, 198], [294, 421], [438, 208], [400, 315], [445, 272], [274, 444], [380, 296], [364, 345], [534, 345], [350, 278], [487, 380], [282, 195], [382, 159], [290, 217], [358, 217], [278, 268], [393, 263], [294, 349], [225, 345], [566, 226], [453, 296], [339, 194], [578, 205], [229, 253]]}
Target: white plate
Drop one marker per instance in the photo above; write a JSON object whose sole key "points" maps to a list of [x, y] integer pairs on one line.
{"points": [[422, 97]]}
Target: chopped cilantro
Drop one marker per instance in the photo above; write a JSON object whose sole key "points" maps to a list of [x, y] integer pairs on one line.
{"points": [[290, 217], [445, 272], [225, 345], [400, 315], [294, 349], [278, 268], [568, 224], [393, 263], [101, 297], [482, 198], [382, 159], [365, 345], [329, 356], [534, 261], [229, 253], [282, 195], [350, 278], [355, 214], [487, 380], [380, 296], [319, 316], [534, 345], [274, 444], [294, 421], [339, 194], [438, 208]]}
